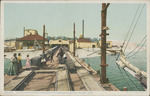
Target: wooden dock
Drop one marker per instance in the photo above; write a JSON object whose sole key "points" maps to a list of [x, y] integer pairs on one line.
{"points": [[16, 82], [57, 77], [62, 83], [88, 81]]}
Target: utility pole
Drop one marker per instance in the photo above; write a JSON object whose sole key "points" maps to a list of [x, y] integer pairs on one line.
{"points": [[74, 40], [83, 28], [43, 38], [103, 43]]}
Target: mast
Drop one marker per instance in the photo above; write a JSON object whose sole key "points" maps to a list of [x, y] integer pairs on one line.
{"points": [[103, 43], [43, 38]]}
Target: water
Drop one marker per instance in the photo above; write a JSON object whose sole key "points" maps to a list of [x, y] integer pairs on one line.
{"points": [[113, 73], [7, 63]]}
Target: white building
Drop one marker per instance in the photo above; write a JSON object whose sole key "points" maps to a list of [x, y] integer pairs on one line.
{"points": [[30, 32]]}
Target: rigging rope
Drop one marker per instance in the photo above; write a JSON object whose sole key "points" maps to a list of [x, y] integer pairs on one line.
{"points": [[123, 75], [132, 81], [118, 56], [134, 27], [137, 46], [139, 49], [128, 42], [129, 29], [131, 25]]}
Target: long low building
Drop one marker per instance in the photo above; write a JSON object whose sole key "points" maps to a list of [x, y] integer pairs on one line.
{"points": [[10, 43], [85, 43], [82, 43], [59, 42], [30, 42], [108, 44]]}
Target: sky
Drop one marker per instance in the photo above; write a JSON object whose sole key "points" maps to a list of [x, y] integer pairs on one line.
{"points": [[58, 19]]}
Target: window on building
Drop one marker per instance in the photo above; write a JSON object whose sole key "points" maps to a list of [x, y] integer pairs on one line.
{"points": [[59, 40], [93, 46], [31, 43]]}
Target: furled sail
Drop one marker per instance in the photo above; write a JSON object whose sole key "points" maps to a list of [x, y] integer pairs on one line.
{"points": [[136, 72], [123, 62]]}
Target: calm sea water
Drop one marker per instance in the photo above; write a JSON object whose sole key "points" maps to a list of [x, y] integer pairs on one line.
{"points": [[113, 73]]}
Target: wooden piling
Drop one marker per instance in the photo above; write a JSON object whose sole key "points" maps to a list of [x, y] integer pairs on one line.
{"points": [[43, 38], [103, 42], [74, 41], [124, 88]]}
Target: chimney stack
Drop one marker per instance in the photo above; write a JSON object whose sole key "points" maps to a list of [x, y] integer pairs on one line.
{"points": [[83, 28], [24, 32]]}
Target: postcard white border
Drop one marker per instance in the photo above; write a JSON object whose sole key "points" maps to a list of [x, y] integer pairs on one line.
{"points": [[71, 93]]}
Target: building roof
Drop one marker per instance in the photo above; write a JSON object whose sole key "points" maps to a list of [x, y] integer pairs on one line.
{"points": [[10, 40], [32, 37], [83, 40]]}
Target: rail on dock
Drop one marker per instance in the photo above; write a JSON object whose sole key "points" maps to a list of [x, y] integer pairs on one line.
{"points": [[16, 82]]}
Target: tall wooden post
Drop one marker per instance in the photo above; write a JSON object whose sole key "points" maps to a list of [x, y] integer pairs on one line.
{"points": [[103, 43], [43, 38], [74, 40]]}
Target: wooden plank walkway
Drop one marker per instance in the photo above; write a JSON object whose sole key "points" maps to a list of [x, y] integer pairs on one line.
{"points": [[74, 60], [62, 81], [88, 81], [46, 71], [13, 84]]}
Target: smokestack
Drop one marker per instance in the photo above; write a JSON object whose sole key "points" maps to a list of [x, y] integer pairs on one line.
{"points": [[24, 31], [83, 28]]}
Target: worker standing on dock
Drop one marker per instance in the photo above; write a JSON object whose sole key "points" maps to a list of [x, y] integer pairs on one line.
{"points": [[13, 68], [43, 61], [64, 58], [19, 62], [52, 54], [60, 56]]}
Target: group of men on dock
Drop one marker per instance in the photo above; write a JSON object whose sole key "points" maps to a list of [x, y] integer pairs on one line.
{"points": [[61, 56]]}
